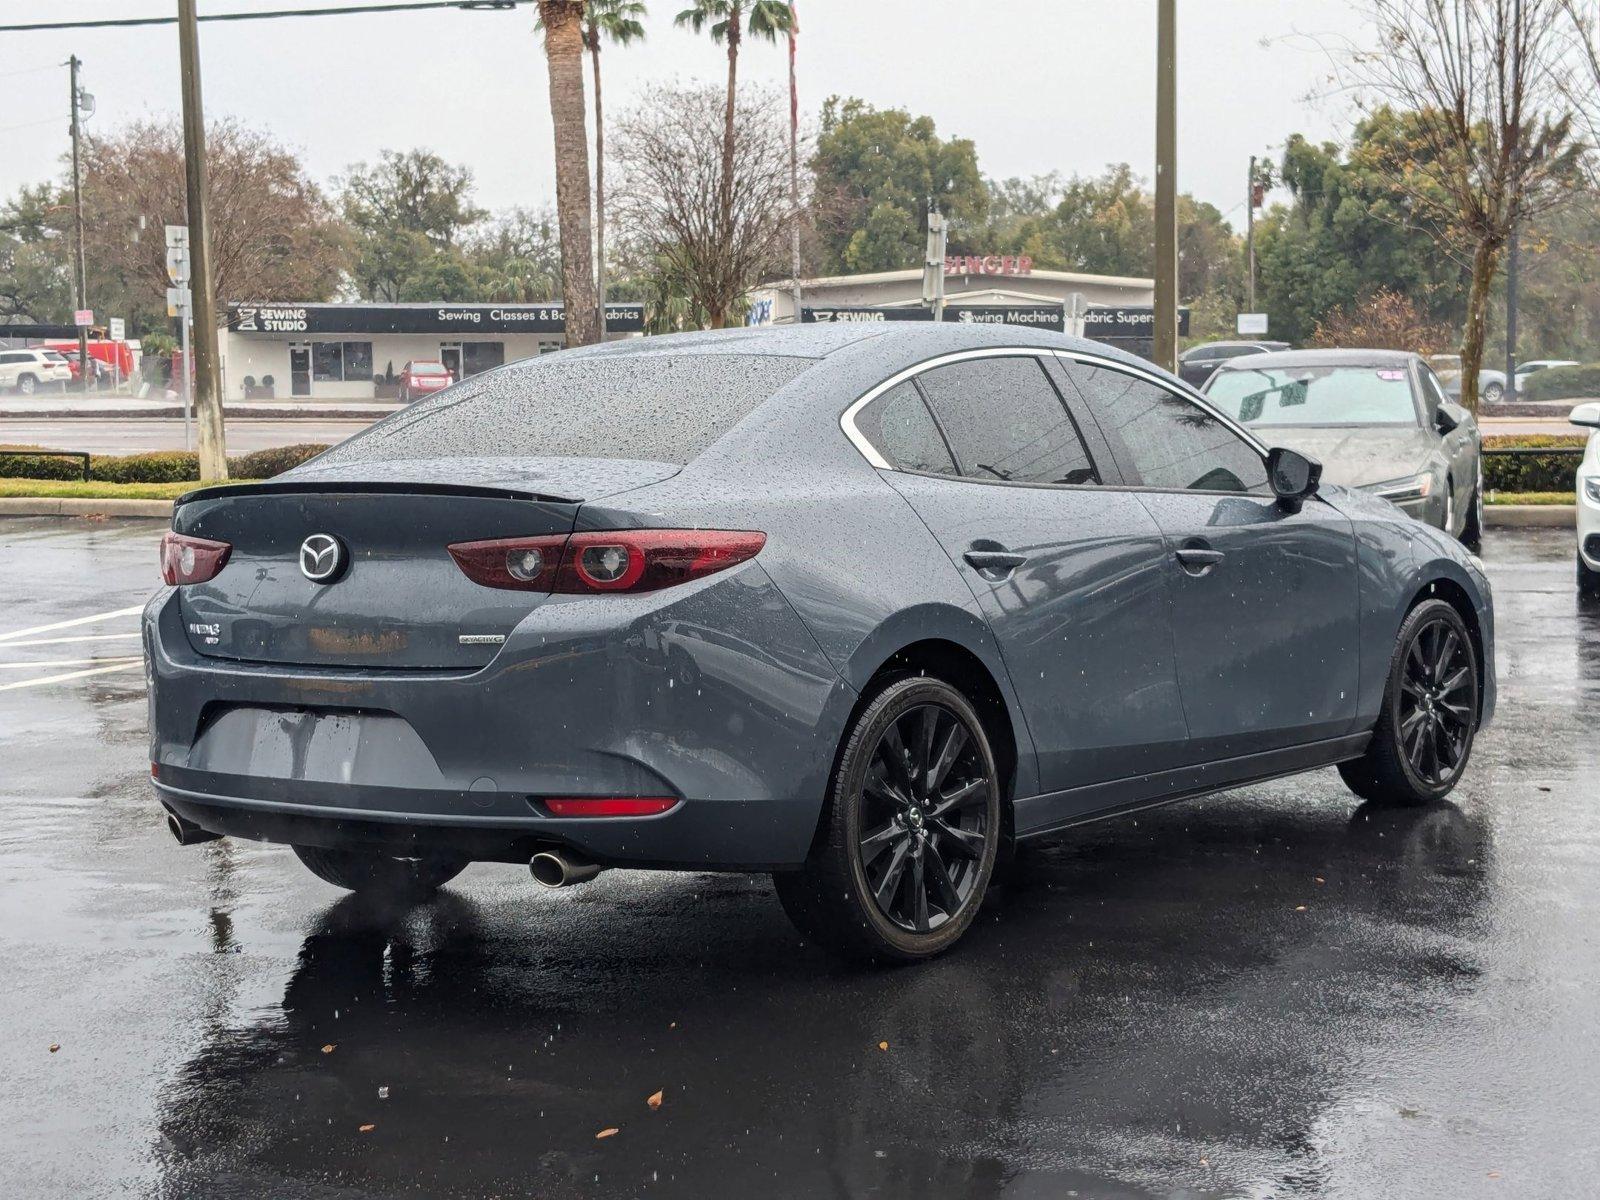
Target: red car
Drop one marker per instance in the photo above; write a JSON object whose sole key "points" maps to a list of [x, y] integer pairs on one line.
{"points": [[423, 377]]}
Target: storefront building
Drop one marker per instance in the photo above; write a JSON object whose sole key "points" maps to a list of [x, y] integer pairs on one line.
{"points": [[355, 351], [984, 289]]}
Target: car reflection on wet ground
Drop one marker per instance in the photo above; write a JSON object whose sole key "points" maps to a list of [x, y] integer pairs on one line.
{"points": [[1273, 992]]}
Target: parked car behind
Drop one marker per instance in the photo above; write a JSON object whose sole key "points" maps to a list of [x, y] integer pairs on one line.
{"points": [[860, 605], [422, 377], [1588, 501], [1534, 365], [1491, 383], [1378, 420], [1197, 362], [29, 370]]}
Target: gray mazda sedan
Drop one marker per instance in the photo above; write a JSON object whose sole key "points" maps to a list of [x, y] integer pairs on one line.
{"points": [[861, 606], [1379, 420]]}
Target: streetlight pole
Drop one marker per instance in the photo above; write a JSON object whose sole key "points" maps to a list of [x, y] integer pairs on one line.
{"points": [[1165, 339], [794, 165], [82, 280], [1513, 248], [1250, 236], [207, 376]]}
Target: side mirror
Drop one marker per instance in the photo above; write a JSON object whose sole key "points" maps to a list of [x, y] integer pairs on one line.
{"points": [[1444, 421], [1586, 414], [1294, 476]]}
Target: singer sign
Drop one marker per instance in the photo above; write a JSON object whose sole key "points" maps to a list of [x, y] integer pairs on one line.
{"points": [[988, 264]]}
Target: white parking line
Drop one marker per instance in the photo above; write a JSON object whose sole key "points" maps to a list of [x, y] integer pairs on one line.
{"points": [[82, 637], [105, 616], [136, 665], [67, 662]]}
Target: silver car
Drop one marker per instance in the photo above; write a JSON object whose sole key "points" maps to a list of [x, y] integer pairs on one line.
{"points": [[1378, 420]]}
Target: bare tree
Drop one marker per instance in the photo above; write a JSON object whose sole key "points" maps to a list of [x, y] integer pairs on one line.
{"points": [[1485, 80], [669, 154], [274, 235]]}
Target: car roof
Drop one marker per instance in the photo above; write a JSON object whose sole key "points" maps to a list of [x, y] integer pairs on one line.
{"points": [[1323, 358], [1229, 345]]}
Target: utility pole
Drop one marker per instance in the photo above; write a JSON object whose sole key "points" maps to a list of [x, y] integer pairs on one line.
{"points": [[82, 279], [933, 264], [794, 165], [1250, 237], [207, 376], [1165, 346]]}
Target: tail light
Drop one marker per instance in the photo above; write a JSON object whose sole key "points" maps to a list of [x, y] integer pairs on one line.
{"points": [[632, 560], [607, 806], [187, 559]]}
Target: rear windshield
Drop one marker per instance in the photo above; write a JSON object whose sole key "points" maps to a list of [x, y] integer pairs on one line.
{"points": [[659, 407], [427, 368], [1314, 395]]}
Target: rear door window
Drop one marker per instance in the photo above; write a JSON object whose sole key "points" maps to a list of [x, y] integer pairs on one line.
{"points": [[1004, 420]]}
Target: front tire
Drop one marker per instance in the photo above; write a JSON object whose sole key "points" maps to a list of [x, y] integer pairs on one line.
{"points": [[910, 832], [1429, 718], [381, 875], [1588, 580], [1472, 531]]}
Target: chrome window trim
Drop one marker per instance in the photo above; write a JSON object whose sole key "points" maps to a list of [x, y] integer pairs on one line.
{"points": [[847, 420]]}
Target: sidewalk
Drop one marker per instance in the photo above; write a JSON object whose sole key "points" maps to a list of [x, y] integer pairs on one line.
{"points": [[113, 408]]}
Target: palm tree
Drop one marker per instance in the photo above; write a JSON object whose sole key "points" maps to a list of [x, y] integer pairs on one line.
{"points": [[728, 20], [562, 21], [616, 21]]}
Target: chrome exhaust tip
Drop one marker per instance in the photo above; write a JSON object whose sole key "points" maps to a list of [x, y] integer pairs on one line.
{"points": [[557, 868], [187, 833]]}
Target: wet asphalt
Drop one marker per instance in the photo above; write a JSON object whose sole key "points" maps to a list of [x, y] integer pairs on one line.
{"points": [[1274, 992]]}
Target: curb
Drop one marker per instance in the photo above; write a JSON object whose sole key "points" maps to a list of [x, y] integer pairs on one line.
{"points": [[77, 506], [1530, 516]]}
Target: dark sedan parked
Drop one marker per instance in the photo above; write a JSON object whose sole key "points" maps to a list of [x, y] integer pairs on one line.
{"points": [[1378, 420], [861, 606], [1197, 362]]}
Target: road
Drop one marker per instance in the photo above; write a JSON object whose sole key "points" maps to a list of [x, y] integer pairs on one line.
{"points": [[130, 436], [1270, 993]]}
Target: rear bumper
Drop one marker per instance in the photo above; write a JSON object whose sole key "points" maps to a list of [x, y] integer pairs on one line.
{"points": [[713, 693]]}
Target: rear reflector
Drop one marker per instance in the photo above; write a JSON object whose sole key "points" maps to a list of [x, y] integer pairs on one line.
{"points": [[630, 560], [190, 559], [607, 806]]}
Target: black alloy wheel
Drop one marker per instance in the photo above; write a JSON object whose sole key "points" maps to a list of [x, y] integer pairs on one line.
{"points": [[1437, 702], [923, 820], [911, 831], [1424, 735]]}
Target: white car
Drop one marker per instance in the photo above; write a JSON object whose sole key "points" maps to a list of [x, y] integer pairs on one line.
{"points": [[1588, 415], [29, 370]]}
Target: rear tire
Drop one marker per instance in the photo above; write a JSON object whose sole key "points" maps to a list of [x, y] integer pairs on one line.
{"points": [[374, 874], [26, 384], [1494, 393], [1423, 739], [910, 833]]}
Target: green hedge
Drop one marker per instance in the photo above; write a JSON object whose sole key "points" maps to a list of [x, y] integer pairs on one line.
{"points": [[1563, 383], [1531, 472], [157, 466]]}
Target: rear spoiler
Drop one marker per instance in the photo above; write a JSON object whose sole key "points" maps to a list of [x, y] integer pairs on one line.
{"points": [[272, 487]]}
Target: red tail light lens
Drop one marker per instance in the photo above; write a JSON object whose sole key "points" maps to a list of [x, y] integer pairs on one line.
{"points": [[633, 560], [187, 559], [608, 806]]}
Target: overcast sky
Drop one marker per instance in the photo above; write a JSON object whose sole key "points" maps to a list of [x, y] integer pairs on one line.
{"points": [[1039, 85]]}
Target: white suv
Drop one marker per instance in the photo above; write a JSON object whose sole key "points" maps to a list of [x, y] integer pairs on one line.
{"points": [[1588, 415], [29, 370]]}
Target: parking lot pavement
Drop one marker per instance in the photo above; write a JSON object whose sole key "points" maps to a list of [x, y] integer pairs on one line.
{"points": [[1273, 992]]}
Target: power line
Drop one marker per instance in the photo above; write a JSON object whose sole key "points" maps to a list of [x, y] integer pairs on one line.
{"points": [[343, 10]]}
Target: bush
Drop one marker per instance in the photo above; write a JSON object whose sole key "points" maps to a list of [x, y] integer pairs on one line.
{"points": [[1563, 383], [159, 466], [264, 464], [1531, 472]]}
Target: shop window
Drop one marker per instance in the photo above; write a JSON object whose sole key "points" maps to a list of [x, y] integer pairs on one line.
{"points": [[482, 356], [338, 362]]}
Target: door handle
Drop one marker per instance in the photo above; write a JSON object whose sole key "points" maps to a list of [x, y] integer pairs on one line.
{"points": [[994, 564], [1198, 560]]}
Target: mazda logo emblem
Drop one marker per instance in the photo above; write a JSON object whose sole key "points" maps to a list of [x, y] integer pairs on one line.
{"points": [[321, 558]]}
